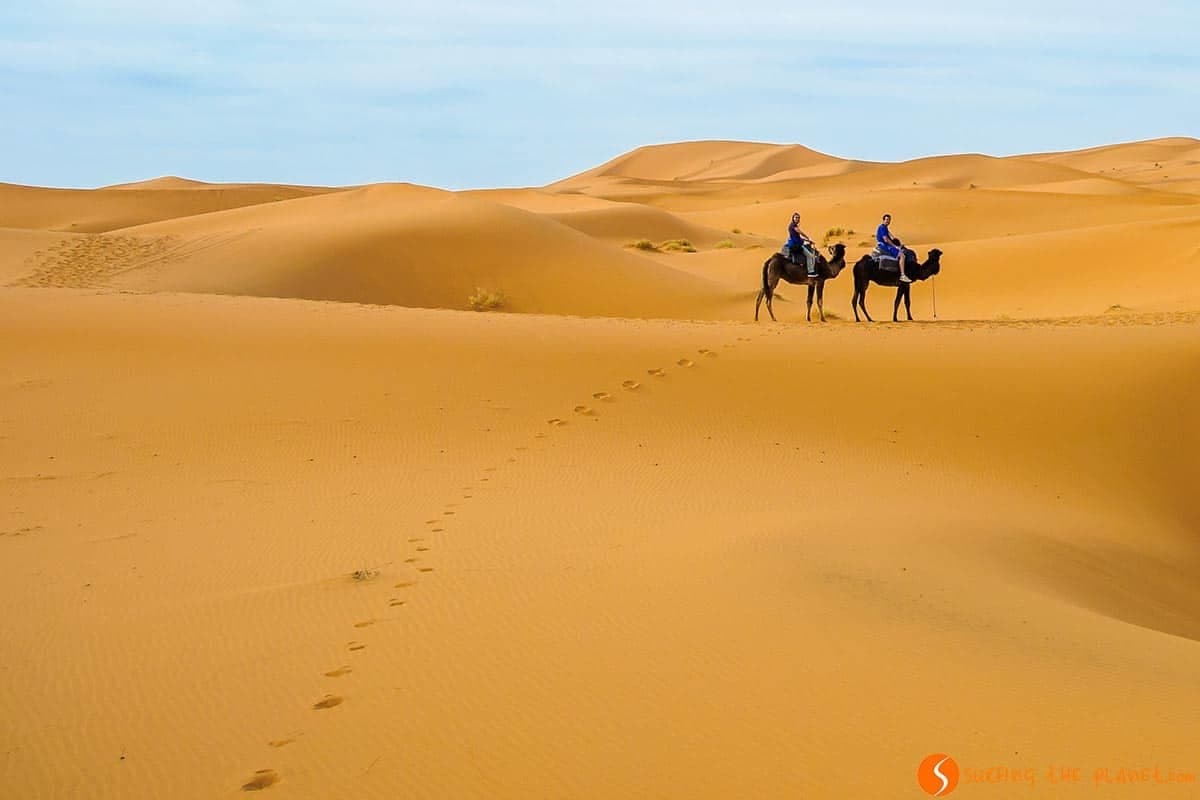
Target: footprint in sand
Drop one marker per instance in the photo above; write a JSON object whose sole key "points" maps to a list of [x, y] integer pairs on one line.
{"points": [[656, 372], [556, 422], [423, 549], [355, 647], [326, 702], [448, 513], [425, 569], [410, 561], [704, 351], [437, 530], [404, 585], [416, 539], [365, 623], [631, 386], [263, 779], [394, 602], [280, 742], [686, 362], [432, 521], [603, 397], [337, 673], [585, 411]]}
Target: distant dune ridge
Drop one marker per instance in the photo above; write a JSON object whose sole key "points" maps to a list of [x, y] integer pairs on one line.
{"points": [[389, 491]]}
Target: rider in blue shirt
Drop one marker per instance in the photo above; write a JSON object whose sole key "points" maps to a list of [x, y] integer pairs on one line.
{"points": [[799, 242], [890, 246]]}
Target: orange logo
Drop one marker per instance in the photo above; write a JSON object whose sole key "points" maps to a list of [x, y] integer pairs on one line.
{"points": [[938, 775]]}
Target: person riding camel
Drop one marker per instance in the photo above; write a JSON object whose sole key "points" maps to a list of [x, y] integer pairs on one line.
{"points": [[799, 242], [890, 247]]}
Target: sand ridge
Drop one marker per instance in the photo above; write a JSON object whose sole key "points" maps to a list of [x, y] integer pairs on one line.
{"points": [[416, 246]]}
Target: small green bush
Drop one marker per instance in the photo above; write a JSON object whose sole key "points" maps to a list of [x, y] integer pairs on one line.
{"points": [[677, 246], [725, 244], [485, 300], [642, 244]]}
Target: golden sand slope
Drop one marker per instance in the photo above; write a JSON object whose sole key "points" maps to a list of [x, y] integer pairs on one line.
{"points": [[395, 244], [99, 210], [1171, 164], [598, 558]]}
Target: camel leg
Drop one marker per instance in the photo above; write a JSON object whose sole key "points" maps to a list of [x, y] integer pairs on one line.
{"points": [[862, 302], [758, 303], [908, 302], [810, 299], [821, 300], [896, 305], [769, 291]]}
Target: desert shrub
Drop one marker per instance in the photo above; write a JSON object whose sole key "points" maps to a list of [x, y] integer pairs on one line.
{"points": [[725, 244], [736, 230], [677, 246], [485, 300], [642, 244], [834, 233]]}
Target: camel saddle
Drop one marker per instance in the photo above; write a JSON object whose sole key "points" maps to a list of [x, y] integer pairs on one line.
{"points": [[886, 263], [800, 256], [889, 264]]}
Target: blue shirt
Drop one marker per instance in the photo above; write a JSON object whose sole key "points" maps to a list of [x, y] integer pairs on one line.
{"points": [[883, 235], [794, 237]]}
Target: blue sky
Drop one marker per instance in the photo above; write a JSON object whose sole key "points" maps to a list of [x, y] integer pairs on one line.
{"points": [[462, 93]]}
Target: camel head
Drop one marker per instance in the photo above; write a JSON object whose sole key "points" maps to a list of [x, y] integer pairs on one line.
{"points": [[933, 264], [837, 258]]}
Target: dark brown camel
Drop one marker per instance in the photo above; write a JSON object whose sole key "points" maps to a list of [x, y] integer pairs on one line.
{"points": [[778, 267], [867, 270]]}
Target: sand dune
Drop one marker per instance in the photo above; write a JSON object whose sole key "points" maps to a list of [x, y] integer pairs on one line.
{"points": [[390, 244], [710, 161], [168, 182], [99, 210], [281, 516]]}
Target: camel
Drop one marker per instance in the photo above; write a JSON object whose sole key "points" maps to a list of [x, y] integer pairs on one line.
{"points": [[778, 267], [867, 270]]}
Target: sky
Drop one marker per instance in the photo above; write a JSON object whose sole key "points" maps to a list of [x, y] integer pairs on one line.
{"points": [[463, 94]]}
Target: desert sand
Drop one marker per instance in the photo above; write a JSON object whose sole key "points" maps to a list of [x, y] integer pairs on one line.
{"points": [[281, 514]]}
